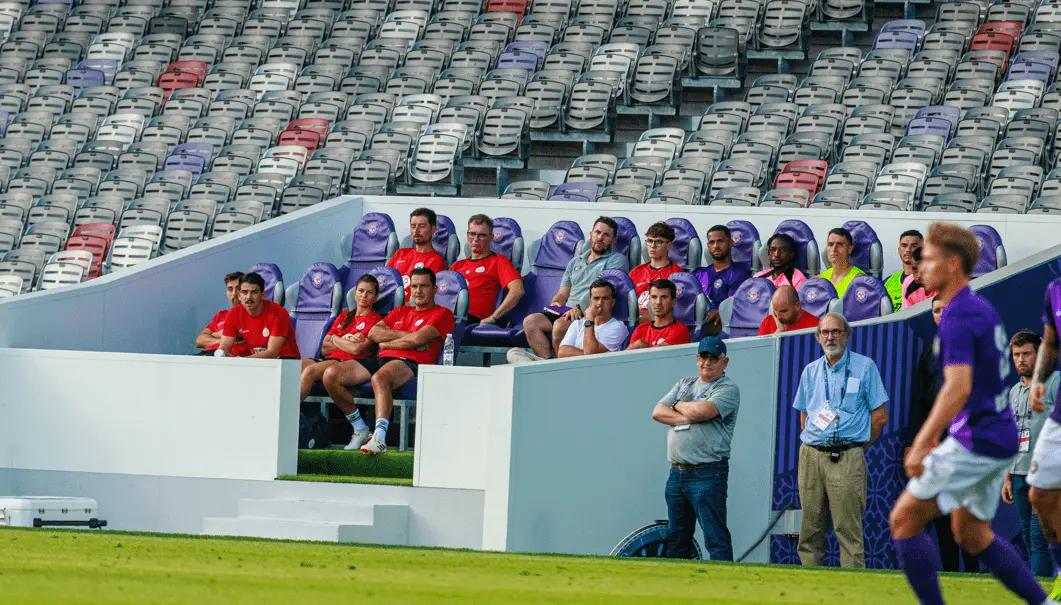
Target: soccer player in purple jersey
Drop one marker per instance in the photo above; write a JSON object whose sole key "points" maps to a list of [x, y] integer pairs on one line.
{"points": [[1045, 473], [963, 474]]}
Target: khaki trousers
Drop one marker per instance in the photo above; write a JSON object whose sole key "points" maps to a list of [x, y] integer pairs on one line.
{"points": [[836, 489]]}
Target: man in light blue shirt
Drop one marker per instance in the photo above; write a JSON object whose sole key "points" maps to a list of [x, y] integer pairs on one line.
{"points": [[841, 400]]}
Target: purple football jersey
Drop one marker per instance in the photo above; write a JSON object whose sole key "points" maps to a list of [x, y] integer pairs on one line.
{"points": [[720, 285], [970, 333], [1052, 317]]}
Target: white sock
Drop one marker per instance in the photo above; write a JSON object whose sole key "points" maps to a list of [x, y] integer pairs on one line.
{"points": [[380, 433], [357, 422]]}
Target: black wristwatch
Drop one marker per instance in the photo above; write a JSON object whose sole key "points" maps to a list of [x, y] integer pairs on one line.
{"points": [[588, 323]]}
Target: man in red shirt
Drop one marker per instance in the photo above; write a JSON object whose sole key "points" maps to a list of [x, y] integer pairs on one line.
{"points": [[786, 314], [210, 338], [487, 273], [422, 225], [658, 239], [264, 325], [663, 330], [408, 337]]}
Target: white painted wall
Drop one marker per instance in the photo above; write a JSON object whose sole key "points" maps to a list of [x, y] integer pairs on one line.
{"points": [[156, 415]]}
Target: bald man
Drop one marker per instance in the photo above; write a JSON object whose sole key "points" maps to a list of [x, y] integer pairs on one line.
{"points": [[786, 314]]}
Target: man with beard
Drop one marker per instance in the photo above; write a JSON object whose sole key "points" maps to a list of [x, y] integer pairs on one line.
{"points": [[786, 314], [663, 330], [209, 340], [422, 225], [781, 248], [908, 242], [722, 277]]}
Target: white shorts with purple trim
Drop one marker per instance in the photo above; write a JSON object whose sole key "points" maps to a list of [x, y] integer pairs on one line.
{"points": [[957, 478], [1045, 471]]}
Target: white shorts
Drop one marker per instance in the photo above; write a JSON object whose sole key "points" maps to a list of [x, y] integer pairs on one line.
{"points": [[1045, 472], [957, 478]]}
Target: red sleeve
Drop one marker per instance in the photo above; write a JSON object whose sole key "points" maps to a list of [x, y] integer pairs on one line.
{"points": [[436, 263], [506, 271], [394, 315], [681, 334], [216, 319], [279, 322], [456, 266], [767, 327], [233, 321], [336, 330], [639, 334], [443, 322]]}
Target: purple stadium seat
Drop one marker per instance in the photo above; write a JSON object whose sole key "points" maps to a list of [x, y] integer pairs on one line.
{"points": [[816, 295], [274, 281], [807, 258], [1047, 58], [445, 240], [746, 244], [557, 248], [575, 192], [625, 309], [1031, 70], [203, 150], [391, 290], [519, 59], [897, 39], [317, 300], [868, 254], [690, 304], [931, 125], [951, 113], [508, 241], [83, 77], [866, 298], [627, 240], [109, 67], [687, 247], [373, 241], [992, 252], [192, 163], [748, 307], [452, 293]]}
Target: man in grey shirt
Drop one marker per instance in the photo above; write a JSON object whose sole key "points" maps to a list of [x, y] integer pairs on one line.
{"points": [[700, 412], [1024, 346], [544, 331]]}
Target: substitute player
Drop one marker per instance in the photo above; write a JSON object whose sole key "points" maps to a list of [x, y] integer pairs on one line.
{"points": [[1045, 473], [962, 475]]}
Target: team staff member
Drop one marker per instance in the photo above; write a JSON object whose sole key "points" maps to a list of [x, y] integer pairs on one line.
{"points": [[908, 241], [701, 412], [487, 273], [722, 277], [658, 239], [599, 332], [781, 250], [344, 346], [841, 272], [209, 340], [663, 330], [408, 337], [786, 314], [422, 225], [841, 400], [1023, 347], [265, 326]]}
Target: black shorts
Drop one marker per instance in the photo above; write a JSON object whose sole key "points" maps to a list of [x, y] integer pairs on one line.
{"points": [[369, 363], [412, 365]]}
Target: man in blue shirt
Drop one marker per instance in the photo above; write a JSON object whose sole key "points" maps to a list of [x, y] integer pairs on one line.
{"points": [[964, 474], [841, 400]]}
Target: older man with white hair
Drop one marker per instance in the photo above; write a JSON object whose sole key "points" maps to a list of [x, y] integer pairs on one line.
{"points": [[841, 400]]}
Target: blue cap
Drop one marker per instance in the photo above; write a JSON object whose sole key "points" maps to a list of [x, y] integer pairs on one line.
{"points": [[712, 345]]}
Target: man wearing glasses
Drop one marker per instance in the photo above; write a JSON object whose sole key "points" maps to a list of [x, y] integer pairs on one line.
{"points": [[700, 413], [841, 400], [658, 239], [487, 273]]}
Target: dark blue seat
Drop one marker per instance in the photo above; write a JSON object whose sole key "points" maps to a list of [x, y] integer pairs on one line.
{"points": [[318, 297], [627, 240], [866, 298], [274, 281], [690, 304], [744, 311], [816, 295], [746, 244], [868, 254], [575, 192], [992, 252], [687, 247], [625, 309]]}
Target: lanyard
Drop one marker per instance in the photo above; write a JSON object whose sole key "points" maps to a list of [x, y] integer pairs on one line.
{"points": [[843, 386], [1024, 409]]}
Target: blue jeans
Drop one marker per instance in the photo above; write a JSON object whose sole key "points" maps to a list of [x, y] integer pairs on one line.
{"points": [[698, 494], [1039, 557]]}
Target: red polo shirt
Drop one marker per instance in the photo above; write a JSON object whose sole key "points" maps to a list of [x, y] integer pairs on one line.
{"points": [[806, 320], [256, 330]]}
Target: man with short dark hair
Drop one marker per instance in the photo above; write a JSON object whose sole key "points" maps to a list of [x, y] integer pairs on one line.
{"points": [[663, 330], [722, 277], [786, 314], [599, 332], [422, 225], [700, 413], [781, 251], [264, 326], [1024, 347], [1044, 477], [209, 340], [964, 473], [408, 337], [910, 240], [838, 249], [487, 273], [658, 241], [545, 330]]}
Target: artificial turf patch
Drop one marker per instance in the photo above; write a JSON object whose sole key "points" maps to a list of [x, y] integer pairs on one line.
{"points": [[394, 465], [347, 479]]}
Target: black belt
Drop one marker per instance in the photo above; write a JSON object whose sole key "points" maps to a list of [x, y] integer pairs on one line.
{"points": [[842, 447], [692, 467]]}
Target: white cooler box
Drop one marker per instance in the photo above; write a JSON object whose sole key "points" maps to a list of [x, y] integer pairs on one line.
{"points": [[49, 511]]}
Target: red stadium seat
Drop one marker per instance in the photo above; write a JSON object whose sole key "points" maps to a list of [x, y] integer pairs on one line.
{"points": [[310, 139], [95, 244]]}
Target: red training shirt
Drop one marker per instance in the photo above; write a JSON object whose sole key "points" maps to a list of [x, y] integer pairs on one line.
{"points": [[643, 275], [272, 321], [674, 333], [217, 323], [358, 325], [486, 277], [409, 319], [407, 259], [806, 320]]}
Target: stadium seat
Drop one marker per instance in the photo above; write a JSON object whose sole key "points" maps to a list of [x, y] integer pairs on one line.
{"points": [[865, 298], [743, 312], [868, 254], [444, 242], [992, 252], [817, 296], [274, 281], [315, 302], [746, 244], [690, 304], [687, 248], [508, 241], [373, 242], [625, 309]]}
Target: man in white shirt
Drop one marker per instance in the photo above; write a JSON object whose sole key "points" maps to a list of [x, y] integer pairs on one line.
{"points": [[599, 332]]}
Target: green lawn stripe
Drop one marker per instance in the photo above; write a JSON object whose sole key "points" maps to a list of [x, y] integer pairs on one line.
{"points": [[398, 465]]}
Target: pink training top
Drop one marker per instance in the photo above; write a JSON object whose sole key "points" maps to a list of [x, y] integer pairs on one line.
{"points": [[782, 280], [912, 298]]}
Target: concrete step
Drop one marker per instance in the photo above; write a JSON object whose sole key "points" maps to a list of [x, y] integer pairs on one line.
{"points": [[319, 520]]}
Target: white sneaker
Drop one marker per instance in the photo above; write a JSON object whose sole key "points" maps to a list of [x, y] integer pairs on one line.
{"points": [[359, 439], [373, 447]]}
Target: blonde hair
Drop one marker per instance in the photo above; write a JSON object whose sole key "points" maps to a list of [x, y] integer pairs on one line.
{"points": [[955, 240]]}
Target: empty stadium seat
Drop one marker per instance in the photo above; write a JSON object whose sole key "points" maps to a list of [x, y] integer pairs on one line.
{"points": [[315, 302], [865, 298], [744, 311]]}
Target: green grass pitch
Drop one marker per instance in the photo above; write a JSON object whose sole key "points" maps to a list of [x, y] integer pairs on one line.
{"points": [[43, 567]]}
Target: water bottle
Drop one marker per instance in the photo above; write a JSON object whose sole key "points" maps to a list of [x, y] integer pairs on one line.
{"points": [[448, 351]]}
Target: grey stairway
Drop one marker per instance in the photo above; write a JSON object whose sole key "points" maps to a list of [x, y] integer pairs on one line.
{"points": [[324, 520]]}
